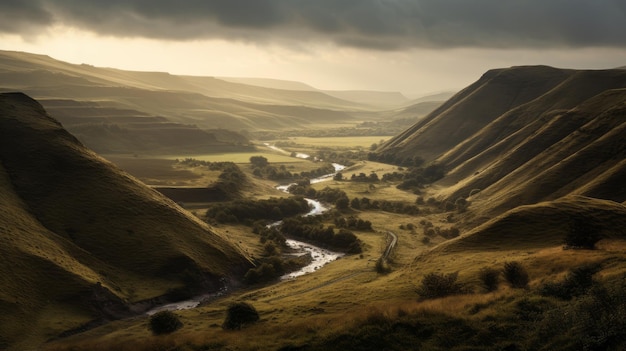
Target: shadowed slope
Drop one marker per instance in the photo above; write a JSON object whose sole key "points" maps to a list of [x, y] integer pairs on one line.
{"points": [[79, 236], [523, 135], [495, 93], [580, 151], [542, 225]]}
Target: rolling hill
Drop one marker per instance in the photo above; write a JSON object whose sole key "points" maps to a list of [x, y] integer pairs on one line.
{"points": [[83, 241], [523, 135], [117, 111]]}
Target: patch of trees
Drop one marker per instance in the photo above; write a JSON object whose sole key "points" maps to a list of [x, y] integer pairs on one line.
{"points": [[394, 159], [365, 203], [346, 158], [212, 166], [248, 211], [231, 178], [329, 195], [353, 223], [272, 265], [311, 229], [263, 169], [431, 231], [362, 177]]}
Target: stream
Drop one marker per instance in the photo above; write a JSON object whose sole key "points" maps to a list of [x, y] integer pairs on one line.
{"points": [[319, 256]]}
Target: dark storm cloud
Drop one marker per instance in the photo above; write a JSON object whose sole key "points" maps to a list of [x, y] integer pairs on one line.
{"points": [[381, 24], [23, 16]]}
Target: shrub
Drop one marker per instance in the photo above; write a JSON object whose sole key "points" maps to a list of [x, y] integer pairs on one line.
{"points": [[239, 315], [581, 234], [382, 267], [164, 322], [577, 283], [515, 274], [436, 285], [489, 278]]}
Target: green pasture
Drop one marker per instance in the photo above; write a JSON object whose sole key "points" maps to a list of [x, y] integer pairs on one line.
{"points": [[339, 142]]}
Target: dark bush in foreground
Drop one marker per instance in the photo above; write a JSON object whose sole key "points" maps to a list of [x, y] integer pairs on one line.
{"points": [[436, 285], [516, 275], [577, 283], [164, 322], [239, 315], [489, 278]]}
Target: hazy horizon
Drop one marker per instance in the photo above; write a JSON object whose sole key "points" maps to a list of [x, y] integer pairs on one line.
{"points": [[413, 47]]}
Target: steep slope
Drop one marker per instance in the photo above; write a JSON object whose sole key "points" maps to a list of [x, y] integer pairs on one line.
{"points": [[473, 108], [523, 135], [531, 155], [79, 237]]}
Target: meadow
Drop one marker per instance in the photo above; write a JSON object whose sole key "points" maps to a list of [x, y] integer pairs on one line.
{"points": [[350, 299]]}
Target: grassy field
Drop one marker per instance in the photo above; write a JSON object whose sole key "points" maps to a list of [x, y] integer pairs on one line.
{"points": [[348, 294], [338, 142]]}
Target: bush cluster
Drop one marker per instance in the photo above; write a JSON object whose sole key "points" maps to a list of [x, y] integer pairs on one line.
{"points": [[248, 211], [272, 268], [577, 283], [447, 233], [240, 314], [365, 203], [352, 222], [515, 274], [362, 177], [263, 169], [582, 234], [311, 229], [164, 322], [435, 285], [394, 159]]}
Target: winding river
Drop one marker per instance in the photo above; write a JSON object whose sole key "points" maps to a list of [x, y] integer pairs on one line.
{"points": [[319, 256]]}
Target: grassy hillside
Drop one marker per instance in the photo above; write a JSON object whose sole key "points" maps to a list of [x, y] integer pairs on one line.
{"points": [[80, 238], [177, 101], [473, 108], [523, 135]]}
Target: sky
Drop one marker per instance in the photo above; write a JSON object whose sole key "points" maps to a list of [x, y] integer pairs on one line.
{"points": [[412, 46]]}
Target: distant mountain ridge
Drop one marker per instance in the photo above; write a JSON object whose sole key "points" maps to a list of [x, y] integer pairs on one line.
{"points": [[523, 135], [118, 111], [80, 239]]}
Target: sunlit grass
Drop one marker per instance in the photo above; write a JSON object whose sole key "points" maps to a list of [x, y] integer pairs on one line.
{"points": [[339, 142]]}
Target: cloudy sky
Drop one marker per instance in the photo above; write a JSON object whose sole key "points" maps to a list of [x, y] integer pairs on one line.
{"points": [[412, 46]]}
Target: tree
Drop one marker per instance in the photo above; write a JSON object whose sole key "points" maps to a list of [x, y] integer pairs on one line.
{"points": [[355, 203], [164, 322], [338, 176], [259, 161], [581, 234], [342, 203], [489, 277], [239, 315]]}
